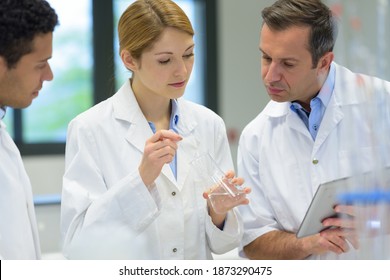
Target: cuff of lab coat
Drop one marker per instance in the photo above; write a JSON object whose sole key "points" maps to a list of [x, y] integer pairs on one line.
{"points": [[140, 204], [222, 241]]}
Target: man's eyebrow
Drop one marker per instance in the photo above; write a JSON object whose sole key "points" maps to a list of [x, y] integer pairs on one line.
{"points": [[283, 59], [45, 59]]}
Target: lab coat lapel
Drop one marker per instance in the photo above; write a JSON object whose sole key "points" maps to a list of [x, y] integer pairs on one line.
{"points": [[297, 124], [344, 94], [126, 109], [186, 153], [139, 130], [137, 135], [188, 147], [277, 110], [332, 117], [167, 173]]}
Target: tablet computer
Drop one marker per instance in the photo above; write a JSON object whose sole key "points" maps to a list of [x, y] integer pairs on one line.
{"points": [[327, 196], [321, 207]]}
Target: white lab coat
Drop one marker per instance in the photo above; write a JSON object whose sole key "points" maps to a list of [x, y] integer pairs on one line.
{"points": [[108, 212], [18, 227], [279, 160]]}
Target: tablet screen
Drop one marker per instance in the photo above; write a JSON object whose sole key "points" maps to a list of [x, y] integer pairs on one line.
{"points": [[321, 207], [327, 196]]}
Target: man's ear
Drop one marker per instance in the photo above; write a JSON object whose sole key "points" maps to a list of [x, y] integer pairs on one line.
{"points": [[3, 66], [129, 61], [325, 61]]}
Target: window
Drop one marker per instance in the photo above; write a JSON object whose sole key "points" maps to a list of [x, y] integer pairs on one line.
{"points": [[87, 69], [69, 93], [41, 128]]}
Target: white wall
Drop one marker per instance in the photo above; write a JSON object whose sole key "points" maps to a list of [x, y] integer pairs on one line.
{"points": [[242, 94], [45, 174]]}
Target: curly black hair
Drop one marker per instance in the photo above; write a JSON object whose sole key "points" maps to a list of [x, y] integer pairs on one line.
{"points": [[20, 22]]}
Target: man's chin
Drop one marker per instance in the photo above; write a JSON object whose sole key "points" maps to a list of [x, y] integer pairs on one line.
{"points": [[24, 105], [276, 98]]}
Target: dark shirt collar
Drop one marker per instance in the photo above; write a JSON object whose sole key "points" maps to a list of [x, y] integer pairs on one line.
{"points": [[2, 112]]}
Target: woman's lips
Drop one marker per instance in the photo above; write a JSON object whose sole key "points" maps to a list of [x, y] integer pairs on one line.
{"points": [[178, 85]]}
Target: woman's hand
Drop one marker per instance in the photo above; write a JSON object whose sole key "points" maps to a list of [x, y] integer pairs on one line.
{"points": [[220, 202], [159, 150]]}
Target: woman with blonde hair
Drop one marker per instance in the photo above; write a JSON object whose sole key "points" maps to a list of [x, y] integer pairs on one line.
{"points": [[129, 189]]}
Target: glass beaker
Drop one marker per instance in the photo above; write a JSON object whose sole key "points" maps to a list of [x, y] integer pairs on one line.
{"points": [[222, 193]]}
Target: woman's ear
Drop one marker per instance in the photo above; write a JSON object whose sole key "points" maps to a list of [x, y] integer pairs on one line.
{"points": [[129, 61]]}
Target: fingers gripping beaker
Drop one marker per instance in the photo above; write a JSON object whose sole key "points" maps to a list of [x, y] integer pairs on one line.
{"points": [[222, 193]]}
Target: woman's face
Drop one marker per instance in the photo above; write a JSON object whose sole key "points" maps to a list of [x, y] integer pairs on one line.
{"points": [[164, 69]]}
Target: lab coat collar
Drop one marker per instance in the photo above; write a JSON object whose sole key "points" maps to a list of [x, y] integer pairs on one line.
{"points": [[189, 146], [187, 124], [333, 114], [353, 88], [282, 109], [278, 109], [332, 117], [2, 112], [2, 115], [350, 89], [126, 108]]}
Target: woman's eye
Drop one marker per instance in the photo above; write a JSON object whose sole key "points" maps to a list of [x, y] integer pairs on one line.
{"points": [[164, 61], [189, 55]]}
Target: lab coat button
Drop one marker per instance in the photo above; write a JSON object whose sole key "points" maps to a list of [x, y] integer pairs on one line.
{"points": [[173, 193], [315, 161], [174, 250]]}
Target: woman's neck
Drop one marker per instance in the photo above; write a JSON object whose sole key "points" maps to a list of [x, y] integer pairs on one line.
{"points": [[155, 108]]}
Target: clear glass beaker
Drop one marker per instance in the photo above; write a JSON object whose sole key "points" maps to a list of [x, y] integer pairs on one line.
{"points": [[222, 193]]}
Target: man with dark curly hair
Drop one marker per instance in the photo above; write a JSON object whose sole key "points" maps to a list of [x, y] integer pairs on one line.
{"points": [[26, 34]]}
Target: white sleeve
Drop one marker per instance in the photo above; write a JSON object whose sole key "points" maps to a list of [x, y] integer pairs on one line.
{"points": [[257, 217], [87, 202]]}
